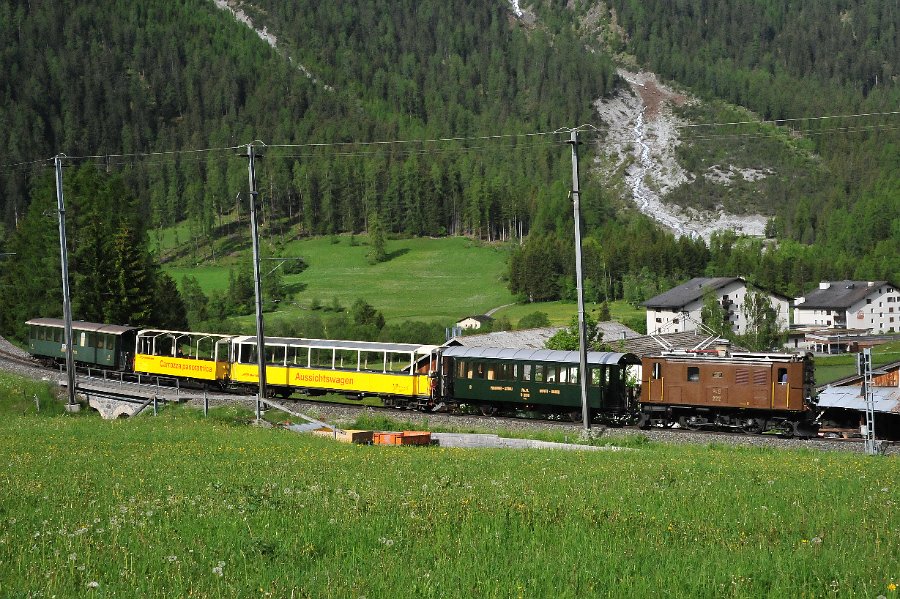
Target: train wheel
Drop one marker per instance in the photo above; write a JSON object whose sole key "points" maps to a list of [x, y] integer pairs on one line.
{"points": [[786, 429], [691, 423], [487, 410], [643, 421], [753, 426]]}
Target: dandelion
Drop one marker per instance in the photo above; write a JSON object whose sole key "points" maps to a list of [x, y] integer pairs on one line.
{"points": [[892, 587], [172, 558], [93, 584], [816, 541], [72, 557]]}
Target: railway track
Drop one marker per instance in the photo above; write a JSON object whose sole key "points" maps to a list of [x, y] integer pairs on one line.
{"points": [[7, 356], [348, 411]]}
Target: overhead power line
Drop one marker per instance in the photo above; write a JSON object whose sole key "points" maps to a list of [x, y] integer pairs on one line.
{"points": [[561, 131]]}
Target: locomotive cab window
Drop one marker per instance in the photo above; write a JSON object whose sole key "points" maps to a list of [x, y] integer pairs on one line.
{"points": [[657, 371], [782, 375], [693, 373]]}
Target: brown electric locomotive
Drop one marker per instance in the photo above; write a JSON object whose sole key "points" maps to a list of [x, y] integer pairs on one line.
{"points": [[751, 392]]}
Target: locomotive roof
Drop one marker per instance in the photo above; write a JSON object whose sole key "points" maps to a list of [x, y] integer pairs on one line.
{"points": [[80, 325], [539, 355], [732, 358], [401, 348]]}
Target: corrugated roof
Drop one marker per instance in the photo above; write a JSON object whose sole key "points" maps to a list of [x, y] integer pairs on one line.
{"points": [[840, 294], [80, 325], [340, 344], [689, 292], [537, 338], [887, 399], [538, 355]]}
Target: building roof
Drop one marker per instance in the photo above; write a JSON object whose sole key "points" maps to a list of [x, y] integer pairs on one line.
{"points": [[530, 338], [482, 318], [689, 292], [839, 294], [887, 399], [537, 338]]}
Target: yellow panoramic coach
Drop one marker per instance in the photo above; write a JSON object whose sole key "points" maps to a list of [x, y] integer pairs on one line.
{"points": [[192, 355], [392, 371]]}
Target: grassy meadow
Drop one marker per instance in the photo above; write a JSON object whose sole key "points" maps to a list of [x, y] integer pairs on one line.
{"points": [[832, 368], [425, 279], [560, 313], [179, 505]]}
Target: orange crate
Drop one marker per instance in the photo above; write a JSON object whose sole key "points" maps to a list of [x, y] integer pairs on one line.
{"points": [[416, 438], [404, 438]]}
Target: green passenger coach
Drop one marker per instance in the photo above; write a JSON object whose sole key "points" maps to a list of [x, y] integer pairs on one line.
{"points": [[547, 381], [103, 345]]}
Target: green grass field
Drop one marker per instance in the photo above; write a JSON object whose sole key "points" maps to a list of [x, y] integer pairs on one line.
{"points": [[561, 313], [426, 279], [178, 505], [832, 368]]}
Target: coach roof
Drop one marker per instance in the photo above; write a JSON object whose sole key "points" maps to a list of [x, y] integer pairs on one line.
{"points": [[80, 325], [539, 355]]}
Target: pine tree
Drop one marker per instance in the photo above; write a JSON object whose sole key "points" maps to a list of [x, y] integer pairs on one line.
{"points": [[377, 251]]}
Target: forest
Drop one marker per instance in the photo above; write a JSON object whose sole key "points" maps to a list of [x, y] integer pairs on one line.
{"points": [[152, 104]]}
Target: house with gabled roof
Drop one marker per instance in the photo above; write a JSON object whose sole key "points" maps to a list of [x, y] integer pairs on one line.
{"points": [[474, 322], [678, 309], [860, 305]]}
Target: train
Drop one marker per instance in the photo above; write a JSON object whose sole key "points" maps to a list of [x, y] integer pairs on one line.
{"points": [[753, 393]]}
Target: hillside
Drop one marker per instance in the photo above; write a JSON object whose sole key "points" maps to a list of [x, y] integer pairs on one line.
{"points": [[678, 102]]}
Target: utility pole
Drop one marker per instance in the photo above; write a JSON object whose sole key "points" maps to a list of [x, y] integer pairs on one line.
{"points": [[864, 367], [584, 375], [260, 335], [67, 304]]}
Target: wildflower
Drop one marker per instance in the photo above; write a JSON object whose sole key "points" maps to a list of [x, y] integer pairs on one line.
{"points": [[93, 584], [172, 558], [217, 571], [892, 587], [72, 557], [816, 541]]}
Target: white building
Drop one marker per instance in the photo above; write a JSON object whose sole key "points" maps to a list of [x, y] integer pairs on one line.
{"points": [[474, 322], [863, 305], [678, 309]]}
